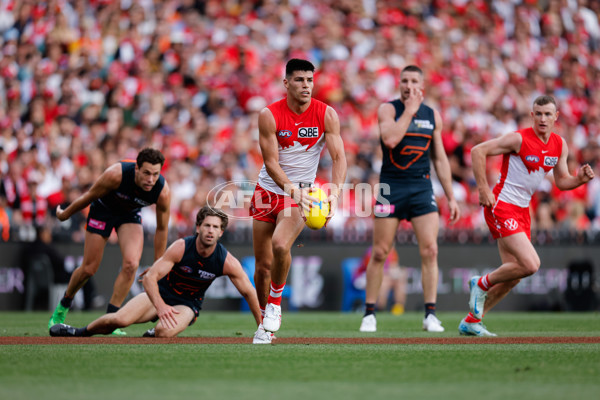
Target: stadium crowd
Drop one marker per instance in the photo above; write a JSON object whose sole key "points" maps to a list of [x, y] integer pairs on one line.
{"points": [[84, 84]]}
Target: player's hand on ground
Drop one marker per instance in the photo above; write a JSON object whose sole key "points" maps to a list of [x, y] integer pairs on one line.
{"points": [[585, 173], [60, 214], [414, 100], [166, 315], [486, 197], [454, 211]]}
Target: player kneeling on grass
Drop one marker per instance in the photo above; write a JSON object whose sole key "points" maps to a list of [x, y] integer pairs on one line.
{"points": [[176, 283]]}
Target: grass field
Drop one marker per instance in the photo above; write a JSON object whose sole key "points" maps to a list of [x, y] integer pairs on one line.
{"points": [[286, 371]]}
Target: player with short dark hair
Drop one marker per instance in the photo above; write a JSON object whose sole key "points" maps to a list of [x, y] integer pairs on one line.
{"points": [[176, 283], [411, 136], [292, 133], [116, 199], [527, 156]]}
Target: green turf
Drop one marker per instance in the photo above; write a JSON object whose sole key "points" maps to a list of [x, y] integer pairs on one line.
{"points": [[368, 372]]}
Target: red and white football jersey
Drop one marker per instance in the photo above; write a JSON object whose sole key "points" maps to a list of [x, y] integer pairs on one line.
{"points": [[522, 173], [301, 139]]}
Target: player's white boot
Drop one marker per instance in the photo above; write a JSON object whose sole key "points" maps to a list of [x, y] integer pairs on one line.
{"points": [[272, 318], [261, 336], [368, 324], [473, 329], [432, 324], [477, 298]]}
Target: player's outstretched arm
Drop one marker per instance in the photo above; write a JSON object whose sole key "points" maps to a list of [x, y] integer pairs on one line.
{"points": [[108, 181], [233, 269]]}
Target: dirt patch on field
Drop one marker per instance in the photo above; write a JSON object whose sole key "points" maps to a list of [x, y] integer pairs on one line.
{"points": [[32, 340]]}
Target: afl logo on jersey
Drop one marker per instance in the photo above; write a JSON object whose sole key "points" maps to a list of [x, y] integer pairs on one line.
{"points": [[186, 269], [532, 159], [284, 134], [550, 161], [308, 132]]}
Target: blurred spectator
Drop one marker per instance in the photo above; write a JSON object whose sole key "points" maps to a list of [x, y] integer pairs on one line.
{"points": [[4, 219]]}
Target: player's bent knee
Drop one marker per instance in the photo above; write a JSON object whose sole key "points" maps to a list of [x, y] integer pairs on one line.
{"points": [[87, 271], [262, 268], [130, 266], [529, 267], [280, 249], [379, 254], [532, 268]]}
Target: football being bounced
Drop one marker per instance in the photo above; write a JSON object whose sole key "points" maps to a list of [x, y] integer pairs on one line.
{"points": [[316, 217]]}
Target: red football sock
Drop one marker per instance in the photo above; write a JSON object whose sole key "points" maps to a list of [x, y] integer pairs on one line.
{"points": [[484, 283], [471, 318], [275, 294]]}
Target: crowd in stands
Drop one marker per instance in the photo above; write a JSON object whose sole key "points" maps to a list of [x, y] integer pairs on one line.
{"points": [[84, 84]]}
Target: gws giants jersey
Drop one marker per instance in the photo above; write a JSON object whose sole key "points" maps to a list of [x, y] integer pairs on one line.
{"points": [[129, 197], [191, 276], [410, 157], [301, 139], [522, 173]]}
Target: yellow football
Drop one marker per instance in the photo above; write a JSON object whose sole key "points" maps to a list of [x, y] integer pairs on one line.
{"points": [[316, 217]]}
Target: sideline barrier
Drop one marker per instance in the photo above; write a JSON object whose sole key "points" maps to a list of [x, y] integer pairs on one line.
{"points": [[316, 279]]}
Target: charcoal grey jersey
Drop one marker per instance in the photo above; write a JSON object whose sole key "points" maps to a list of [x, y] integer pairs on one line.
{"points": [[129, 197], [405, 188], [190, 277]]}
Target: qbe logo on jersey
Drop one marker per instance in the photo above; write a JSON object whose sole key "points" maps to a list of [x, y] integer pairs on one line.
{"points": [[550, 161], [308, 132]]}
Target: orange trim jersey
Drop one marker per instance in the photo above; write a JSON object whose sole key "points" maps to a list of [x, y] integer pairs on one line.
{"points": [[301, 138], [522, 173], [410, 158], [193, 274]]}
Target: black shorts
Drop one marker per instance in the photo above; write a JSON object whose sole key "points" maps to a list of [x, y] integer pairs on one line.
{"points": [[405, 199], [174, 299], [102, 221]]}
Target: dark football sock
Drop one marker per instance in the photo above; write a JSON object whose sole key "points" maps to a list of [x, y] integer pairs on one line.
{"points": [[66, 301], [369, 309], [82, 332], [429, 309], [111, 308]]}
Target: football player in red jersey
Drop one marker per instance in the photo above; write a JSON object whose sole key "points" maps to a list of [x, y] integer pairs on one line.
{"points": [[528, 155], [292, 133]]}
